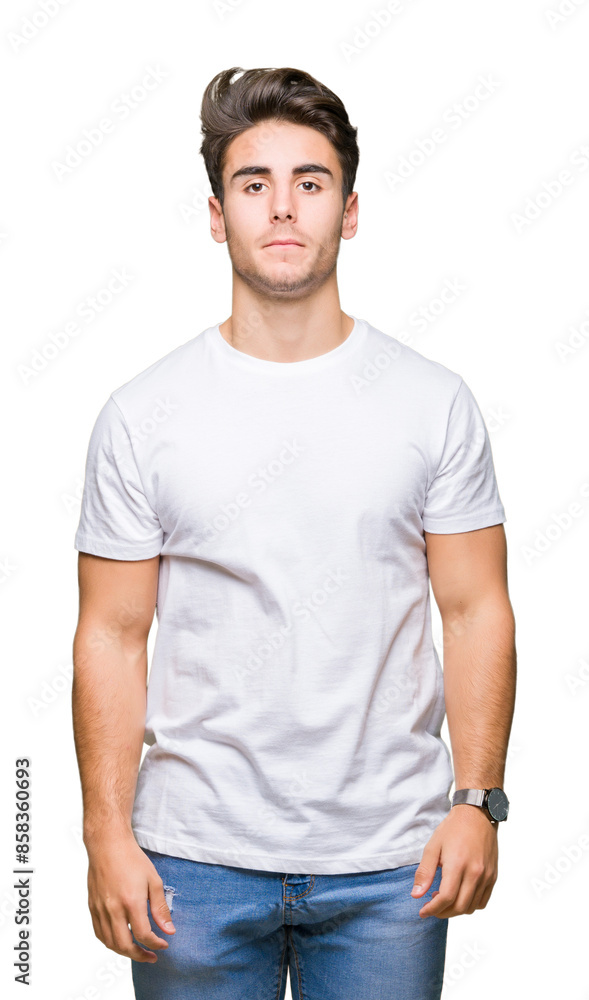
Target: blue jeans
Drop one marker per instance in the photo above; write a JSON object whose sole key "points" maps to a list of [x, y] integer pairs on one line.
{"points": [[354, 936]]}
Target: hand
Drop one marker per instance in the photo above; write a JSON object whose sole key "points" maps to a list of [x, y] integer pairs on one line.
{"points": [[120, 880], [465, 845]]}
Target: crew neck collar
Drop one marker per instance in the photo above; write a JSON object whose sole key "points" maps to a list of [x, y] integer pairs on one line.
{"points": [[326, 360]]}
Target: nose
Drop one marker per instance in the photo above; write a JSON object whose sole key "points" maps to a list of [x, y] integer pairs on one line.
{"points": [[282, 206]]}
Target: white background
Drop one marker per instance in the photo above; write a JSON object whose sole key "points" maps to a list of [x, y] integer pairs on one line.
{"points": [[138, 201]]}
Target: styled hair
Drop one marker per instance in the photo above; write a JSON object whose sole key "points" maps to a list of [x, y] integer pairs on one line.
{"points": [[285, 94]]}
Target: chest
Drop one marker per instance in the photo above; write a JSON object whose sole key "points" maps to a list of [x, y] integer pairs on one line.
{"points": [[242, 465]]}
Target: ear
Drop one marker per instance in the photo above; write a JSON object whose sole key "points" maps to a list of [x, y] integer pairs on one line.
{"points": [[218, 231]]}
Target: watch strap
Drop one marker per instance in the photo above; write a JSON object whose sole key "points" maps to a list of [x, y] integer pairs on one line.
{"points": [[472, 796]]}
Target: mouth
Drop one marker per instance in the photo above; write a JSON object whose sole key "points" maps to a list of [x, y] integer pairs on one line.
{"points": [[284, 243]]}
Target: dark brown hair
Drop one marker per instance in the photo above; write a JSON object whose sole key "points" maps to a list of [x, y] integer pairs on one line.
{"points": [[284, 94]]}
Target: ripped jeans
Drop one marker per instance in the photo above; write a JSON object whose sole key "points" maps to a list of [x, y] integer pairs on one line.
{"points": [[354, 936]]}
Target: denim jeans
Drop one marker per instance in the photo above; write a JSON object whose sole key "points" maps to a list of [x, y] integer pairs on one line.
{"points": [[354, 936]]}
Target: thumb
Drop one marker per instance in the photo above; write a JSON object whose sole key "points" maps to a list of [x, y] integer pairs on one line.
{"points": [[158, 904], [424, 875]]}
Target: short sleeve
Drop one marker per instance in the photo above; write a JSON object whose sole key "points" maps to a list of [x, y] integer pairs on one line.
{"points": [[463, 494], [116, 519]]}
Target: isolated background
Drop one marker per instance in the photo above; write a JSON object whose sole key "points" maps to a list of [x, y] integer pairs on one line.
{"points": [[138, 201]]}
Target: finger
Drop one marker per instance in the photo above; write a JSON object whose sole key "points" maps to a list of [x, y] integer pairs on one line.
{"points": [[471, 886], [104, 933], [98, 930], [478, 896], [143, 930], [424, 874], [486, 896], [159, 908], [483, 890], [122, 940], [443, 897]]}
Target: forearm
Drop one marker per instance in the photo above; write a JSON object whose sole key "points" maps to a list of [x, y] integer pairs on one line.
{"points": [[108, 706], [479, 690]]}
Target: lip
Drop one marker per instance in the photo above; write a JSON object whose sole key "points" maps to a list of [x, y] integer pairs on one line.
{"points": [[284, 243]]}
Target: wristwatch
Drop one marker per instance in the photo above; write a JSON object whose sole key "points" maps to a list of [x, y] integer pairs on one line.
{"points": [[494, 800]]}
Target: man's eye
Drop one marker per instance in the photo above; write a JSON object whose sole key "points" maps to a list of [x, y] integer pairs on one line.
{"points": [[259, 184]]}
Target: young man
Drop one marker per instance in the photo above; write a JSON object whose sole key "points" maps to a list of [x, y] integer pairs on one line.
{"points": [[284, 485]]}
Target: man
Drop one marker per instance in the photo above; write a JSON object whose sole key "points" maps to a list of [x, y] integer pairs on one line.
{"points": [[281, 488]]}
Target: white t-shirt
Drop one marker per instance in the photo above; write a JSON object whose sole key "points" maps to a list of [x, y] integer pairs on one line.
{"points": [[295, 696]]}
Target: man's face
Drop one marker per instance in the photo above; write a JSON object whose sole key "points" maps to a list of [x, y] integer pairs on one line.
{"points": [[268, 202]]}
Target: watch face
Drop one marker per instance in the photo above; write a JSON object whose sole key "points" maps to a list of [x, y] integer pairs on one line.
{"points": [[498, 804]]}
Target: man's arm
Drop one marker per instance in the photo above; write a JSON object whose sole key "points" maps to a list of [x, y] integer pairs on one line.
{"points": [[468, 573], [117, 604]]}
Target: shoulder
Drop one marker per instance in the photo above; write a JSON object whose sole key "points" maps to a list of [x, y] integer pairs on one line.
{"points": [[416, 372], [168, 378]]}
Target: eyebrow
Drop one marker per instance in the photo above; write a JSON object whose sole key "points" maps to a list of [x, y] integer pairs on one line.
{"points": [[305, 168]]}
